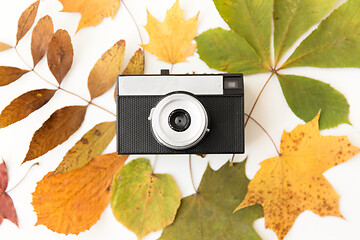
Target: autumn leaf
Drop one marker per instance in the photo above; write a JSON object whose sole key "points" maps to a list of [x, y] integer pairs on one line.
{"points": [[334, 44], [23, 105], [103, 75], [210, 211], [56, 130], [60, 54], [4, 46], [293, 182], [89, 146], [171, 39], [142, 201], [26, 20], [72, 202], [302, 14], [92, 11], [41, 37], [7, 209], [10, 74], [136, 64], [307, 96]]}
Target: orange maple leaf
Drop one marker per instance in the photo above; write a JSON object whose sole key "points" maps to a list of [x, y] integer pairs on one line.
{"points": [[92, 11], [171, 39], [293, 182], [72, 202]]}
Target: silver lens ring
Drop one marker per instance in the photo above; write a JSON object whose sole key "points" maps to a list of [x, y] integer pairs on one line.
{"points": [[179, 140]]}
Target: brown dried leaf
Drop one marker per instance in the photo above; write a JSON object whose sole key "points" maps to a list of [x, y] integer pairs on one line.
{"points": [[89, 146], [60, 54], [26, 20], [72, 202], [10, 74], [23, 105], [136, 64], [56, 130], [4, 46], [103, 75], [41, 37]]}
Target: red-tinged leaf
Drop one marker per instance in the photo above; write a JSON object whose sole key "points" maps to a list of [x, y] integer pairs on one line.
{"points": [[4, 46], [60, 54], [10, 74], [26, 20], [7, 209], [103, 75], [56, 130], [41, 37], [25, 104]]}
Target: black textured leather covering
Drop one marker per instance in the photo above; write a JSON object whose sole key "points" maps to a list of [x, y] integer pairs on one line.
{"points": [[226, 116]]}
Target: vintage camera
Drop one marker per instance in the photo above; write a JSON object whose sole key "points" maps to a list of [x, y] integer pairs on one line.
{"points": [[180, 114]]}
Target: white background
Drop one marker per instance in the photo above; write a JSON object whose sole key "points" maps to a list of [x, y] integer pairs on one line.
{"points": [[89, 43]]}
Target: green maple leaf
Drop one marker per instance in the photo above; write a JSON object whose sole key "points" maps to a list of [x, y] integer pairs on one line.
{"points": [[142, 201], [208, 214], [245, 48]]}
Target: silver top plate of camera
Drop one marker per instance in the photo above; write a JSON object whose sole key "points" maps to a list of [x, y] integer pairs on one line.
{"points": [[161, 85]]}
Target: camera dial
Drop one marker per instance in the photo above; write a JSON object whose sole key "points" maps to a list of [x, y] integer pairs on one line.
{"points": [[179, 121]]}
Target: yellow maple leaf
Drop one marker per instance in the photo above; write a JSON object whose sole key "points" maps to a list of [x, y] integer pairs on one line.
{"points": [[293, 182], [92, 11], [171, 39]]}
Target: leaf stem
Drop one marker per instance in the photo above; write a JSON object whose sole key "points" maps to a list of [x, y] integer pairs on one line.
{"points": [[191, 174], [133, 19], [58, 86], [257, 99], [22, 178]]}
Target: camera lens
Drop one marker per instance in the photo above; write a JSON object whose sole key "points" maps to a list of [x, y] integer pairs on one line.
{"points": [[179, 120]]}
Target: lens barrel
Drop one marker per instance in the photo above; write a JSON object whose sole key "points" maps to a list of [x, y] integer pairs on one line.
{"points": [[179, 120]]}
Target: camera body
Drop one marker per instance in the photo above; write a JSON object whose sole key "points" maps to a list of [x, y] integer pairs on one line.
{"points": [[180, 114]]}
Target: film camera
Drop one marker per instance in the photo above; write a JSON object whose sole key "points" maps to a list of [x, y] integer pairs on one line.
{"points": [[180, 114]]}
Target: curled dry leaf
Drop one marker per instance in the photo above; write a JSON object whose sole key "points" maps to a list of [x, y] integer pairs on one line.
{"points": [[72, 202], [92, 11], [41, 37], [142, 201], [23, 105], [26, 20], [7, 209], [4, 46], [171, 39], [10, 74], [60, 54], [293, 182], [103, 75], [56, 130], [89, 146]]}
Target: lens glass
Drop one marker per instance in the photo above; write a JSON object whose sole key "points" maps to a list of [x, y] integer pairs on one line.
{"points": [[179, 120]]}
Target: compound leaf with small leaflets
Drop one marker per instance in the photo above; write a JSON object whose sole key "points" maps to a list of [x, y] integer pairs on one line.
{"points": [[210, 211], [334, 44], [142, 201], [72, 202], [103, 75], [171, 40], [92, 11], [7, 209], [293, 18], [89, 146], [293, 182], [23, 105], [10, 74], [56, 130], [26, 20], [41, 37], [60, 54], [307, 96]]}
